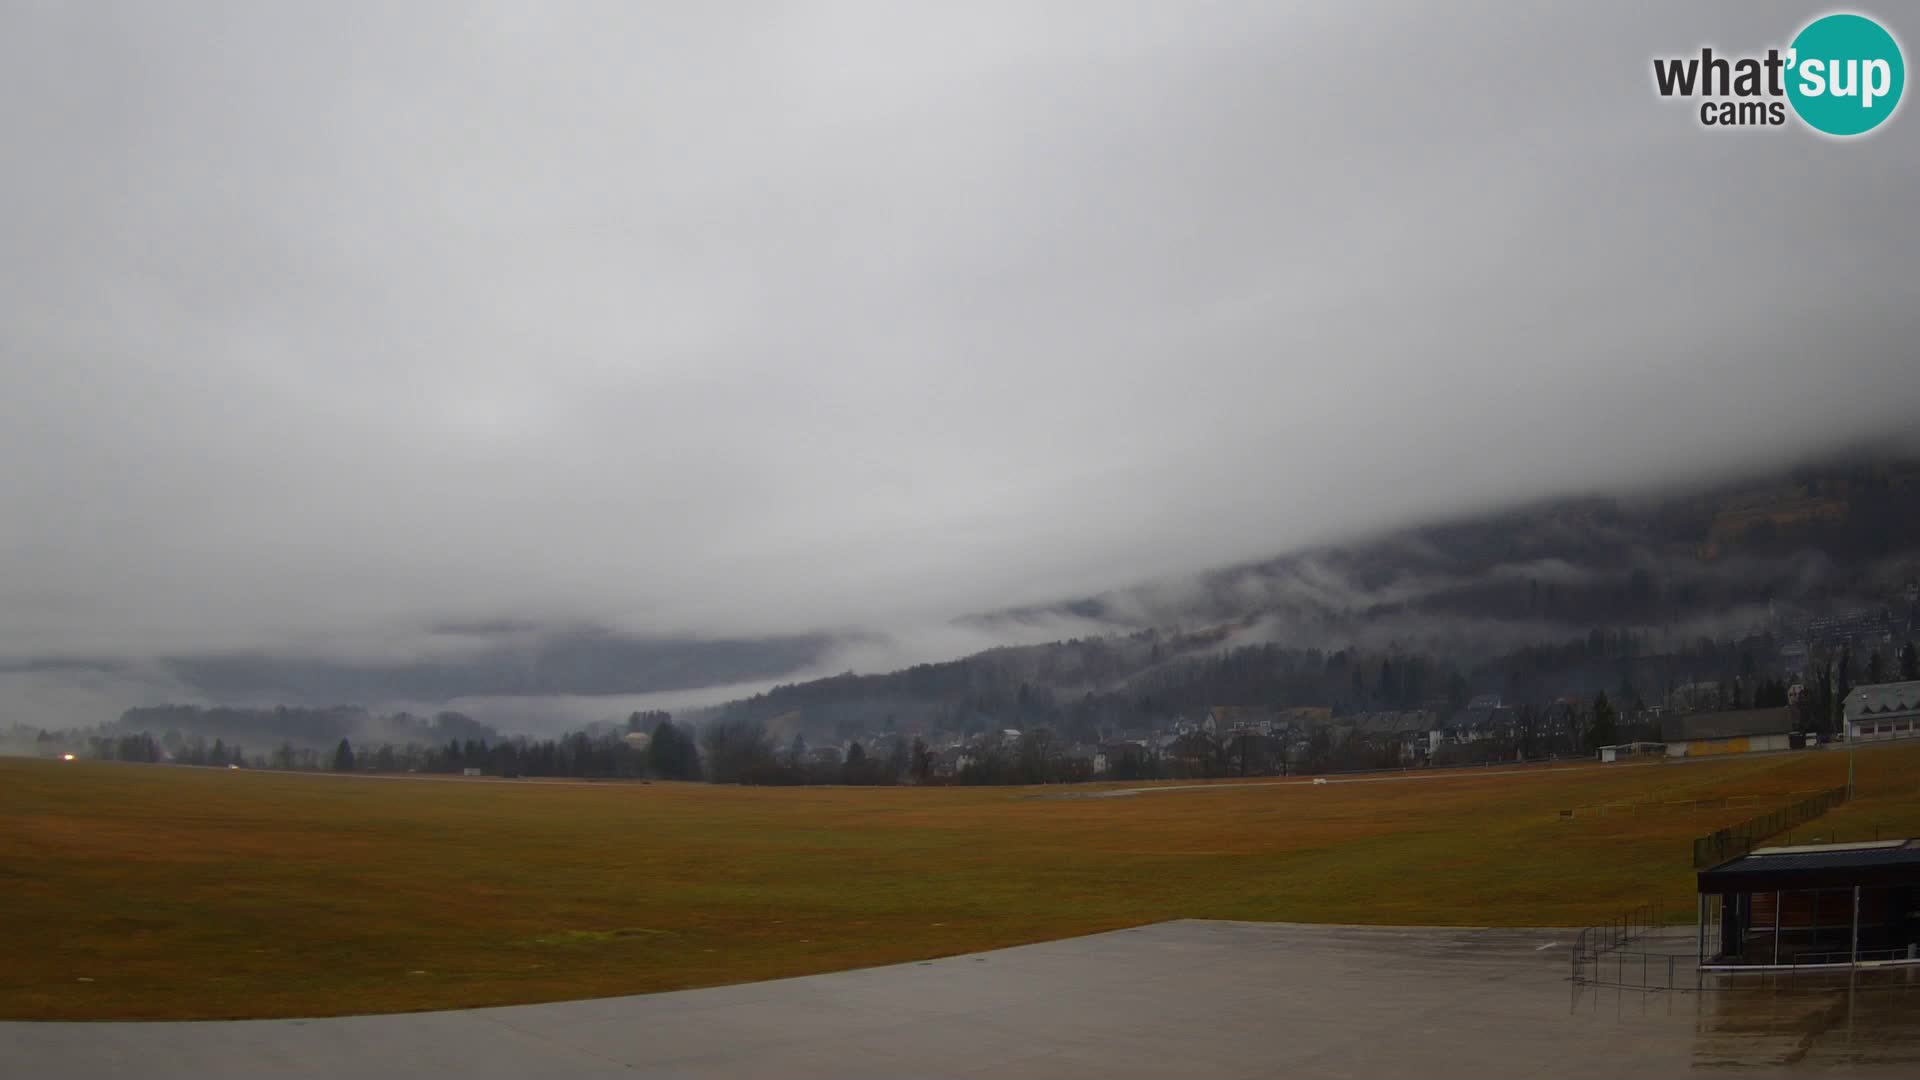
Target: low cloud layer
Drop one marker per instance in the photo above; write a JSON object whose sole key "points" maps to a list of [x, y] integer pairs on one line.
{"points": [[324, 329]]}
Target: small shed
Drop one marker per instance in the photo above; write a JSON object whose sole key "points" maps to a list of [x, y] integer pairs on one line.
{"points": [[1820, 905], [1624, 751]]}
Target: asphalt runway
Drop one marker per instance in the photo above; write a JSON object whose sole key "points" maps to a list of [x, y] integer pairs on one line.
{"points": [[1188, 998]]}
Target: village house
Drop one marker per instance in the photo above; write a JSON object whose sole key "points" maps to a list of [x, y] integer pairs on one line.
{"points": [[1112, 756]]}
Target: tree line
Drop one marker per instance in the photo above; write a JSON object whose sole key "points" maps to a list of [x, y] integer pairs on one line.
{"points": [[668, 753], [734, 744]]}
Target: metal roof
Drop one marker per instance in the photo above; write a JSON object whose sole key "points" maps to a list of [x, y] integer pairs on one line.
{"points": [[1809, 866], [1727, 725], [1882, 698]]}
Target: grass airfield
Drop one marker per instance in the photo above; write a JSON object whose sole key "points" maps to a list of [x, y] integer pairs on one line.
{"points": [[157, 892]]}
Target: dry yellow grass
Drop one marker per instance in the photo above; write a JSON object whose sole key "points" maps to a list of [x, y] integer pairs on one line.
{"points": [[200, 893]]}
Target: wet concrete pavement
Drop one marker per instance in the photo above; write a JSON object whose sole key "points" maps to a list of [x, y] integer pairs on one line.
{"points": [[1190, 998]]}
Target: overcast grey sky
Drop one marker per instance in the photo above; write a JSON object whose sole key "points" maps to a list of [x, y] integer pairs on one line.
{"points": [[322, 323]]}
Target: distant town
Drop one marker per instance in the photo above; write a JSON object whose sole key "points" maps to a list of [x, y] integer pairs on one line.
{"points": [[1798, 681]]}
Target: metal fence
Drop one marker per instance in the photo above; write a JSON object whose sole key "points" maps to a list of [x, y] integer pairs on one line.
{"points": [[1594, 942], [1639, 969], [1864, 956], [1737, 840], [1637, 951]]}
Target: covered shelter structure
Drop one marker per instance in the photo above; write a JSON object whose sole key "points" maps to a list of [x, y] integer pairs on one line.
{"points": [[1821, 905]]}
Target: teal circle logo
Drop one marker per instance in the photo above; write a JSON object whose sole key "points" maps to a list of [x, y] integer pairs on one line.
{"points": [[1845, 74]]}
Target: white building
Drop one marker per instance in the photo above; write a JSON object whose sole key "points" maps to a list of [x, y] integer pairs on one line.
{"points": [[1884, 711]]}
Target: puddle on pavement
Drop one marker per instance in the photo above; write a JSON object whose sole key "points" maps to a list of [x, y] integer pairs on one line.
{"points": [[1774, 1021]]}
